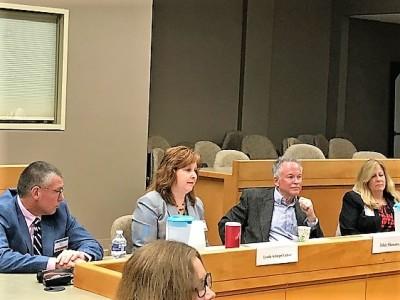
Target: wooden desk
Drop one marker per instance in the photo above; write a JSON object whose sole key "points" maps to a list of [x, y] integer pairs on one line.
{"points": [[329, 268], [324, 181], [25, 286], [9, 175]]}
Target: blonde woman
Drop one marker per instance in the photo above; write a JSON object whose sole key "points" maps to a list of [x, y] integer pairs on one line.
{"points": [[165, 270], [368, 207], [171, 193]]}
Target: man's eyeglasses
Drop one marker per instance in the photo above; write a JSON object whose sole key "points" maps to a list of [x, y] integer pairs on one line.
{"points": [[59, 191], [206, 283]]}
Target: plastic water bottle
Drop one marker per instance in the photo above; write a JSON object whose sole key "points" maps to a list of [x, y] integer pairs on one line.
{"points": [[118, 245], [396, 209]]}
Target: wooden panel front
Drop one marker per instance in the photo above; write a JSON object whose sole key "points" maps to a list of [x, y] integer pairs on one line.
{"points": [[319, 260], [329, 268], [354, 290], [380, 288], [270, 295]]}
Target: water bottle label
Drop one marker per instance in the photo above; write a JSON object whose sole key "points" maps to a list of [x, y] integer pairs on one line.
{"points": [[117, 247]]}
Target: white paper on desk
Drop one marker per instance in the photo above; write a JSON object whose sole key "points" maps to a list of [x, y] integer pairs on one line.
{"points": [[385, 242], [271, 253]]}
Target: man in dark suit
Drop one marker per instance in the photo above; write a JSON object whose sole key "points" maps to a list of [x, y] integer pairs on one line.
{"points": [[37, 231], [273, 214]]}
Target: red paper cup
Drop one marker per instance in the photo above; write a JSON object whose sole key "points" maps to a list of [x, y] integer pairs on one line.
{"points": [[232, 234]]}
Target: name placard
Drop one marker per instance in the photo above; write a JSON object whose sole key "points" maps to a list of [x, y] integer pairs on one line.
{"points": [[386, 242], [276, 253]]}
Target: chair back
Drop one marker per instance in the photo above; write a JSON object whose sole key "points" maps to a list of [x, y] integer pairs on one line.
{"points": [[207, 150], [368, 155], [158, 155], [157, 141], [232, 140], [289, 141], [303, 151], [341, 148], [224, 158], [322, 143], [306, 139], [123, 223], [186, 144], [258, 147]]}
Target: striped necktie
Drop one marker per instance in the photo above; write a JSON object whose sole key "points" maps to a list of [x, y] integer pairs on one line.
{"points": [[37, 237]]}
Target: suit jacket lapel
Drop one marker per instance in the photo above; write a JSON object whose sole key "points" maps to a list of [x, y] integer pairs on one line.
{"points": [[266, 209], [23, 228], [300, 215]]}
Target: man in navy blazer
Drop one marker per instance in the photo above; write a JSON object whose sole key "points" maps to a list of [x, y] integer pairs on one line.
{"points": [[64, 241]]}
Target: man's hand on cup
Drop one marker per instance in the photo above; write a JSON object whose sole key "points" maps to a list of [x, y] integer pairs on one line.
{"points": [[308, 208]]}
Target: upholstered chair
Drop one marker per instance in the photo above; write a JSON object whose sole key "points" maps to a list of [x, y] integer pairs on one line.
{"points": [[306, 139], [157, 141], [207, 150], [289, 141], [341, 148], [157, 156], [368, 155], [224, 158], [258, 147], [232, 140], [322, 143], [303, 151], [123, 223]]}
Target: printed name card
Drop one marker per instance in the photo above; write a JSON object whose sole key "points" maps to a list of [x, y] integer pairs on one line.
{"points": [[385, 242], [276, 253]]}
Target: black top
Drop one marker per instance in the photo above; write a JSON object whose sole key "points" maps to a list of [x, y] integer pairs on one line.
{"points": [[353, 219]]}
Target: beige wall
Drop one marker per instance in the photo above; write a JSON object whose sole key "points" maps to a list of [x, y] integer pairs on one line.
{"points": [[359, 73], [300, 68], [102, 152], [257, 76], [196, 67], [368, 105]]}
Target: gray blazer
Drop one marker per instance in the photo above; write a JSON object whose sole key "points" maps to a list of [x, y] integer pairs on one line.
{"points": [[254, 212], [150, 217]]}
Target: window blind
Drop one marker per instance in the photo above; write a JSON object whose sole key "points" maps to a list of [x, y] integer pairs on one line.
{"points": [[28, 66]]}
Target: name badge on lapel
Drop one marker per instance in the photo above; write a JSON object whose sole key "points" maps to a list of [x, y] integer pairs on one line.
{"points": [[60, 245]]}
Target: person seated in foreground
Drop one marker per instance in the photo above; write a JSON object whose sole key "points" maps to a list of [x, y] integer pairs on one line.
{"points": [[171, 193], [368, 208], [37, 231], [273, 214], [165, 270]]}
